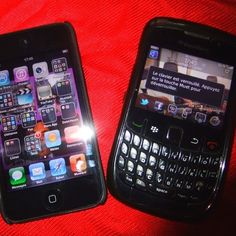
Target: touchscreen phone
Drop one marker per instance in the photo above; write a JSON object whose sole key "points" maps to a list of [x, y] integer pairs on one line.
{"points": [[173, 142], [50, 162]]}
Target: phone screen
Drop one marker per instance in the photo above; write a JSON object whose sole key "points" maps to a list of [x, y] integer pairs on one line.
{"points": [[185, 87], [44, 138]]}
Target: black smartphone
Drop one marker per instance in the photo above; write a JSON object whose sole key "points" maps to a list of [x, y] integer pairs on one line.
{"points": [[174, 138], [50, 161]]}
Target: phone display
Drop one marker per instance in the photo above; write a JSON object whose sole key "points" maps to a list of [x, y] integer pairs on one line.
{"points": [[185, 87], [171, 149], [47, 140]]}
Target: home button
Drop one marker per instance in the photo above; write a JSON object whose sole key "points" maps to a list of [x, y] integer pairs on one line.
{"points": [[53, 199]]}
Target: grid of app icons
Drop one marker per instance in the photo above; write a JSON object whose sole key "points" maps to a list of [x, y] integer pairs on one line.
{"points": [[32, 144], [12, 147], [59, 65], [68, 110], [8, 123], [28, 119], [48, 115], [6, 100], [63, 87]]}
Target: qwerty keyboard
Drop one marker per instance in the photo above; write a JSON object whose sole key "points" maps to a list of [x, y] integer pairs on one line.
{"points": [[170, 172]]}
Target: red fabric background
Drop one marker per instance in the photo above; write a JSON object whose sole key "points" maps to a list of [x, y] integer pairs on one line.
{"points": [[108, 35]]}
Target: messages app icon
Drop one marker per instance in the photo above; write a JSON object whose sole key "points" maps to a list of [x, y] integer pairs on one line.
{"points": [[17, 176]]}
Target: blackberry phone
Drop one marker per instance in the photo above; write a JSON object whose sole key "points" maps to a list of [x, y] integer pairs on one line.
{"points": [[50, 162], [174, 138]]}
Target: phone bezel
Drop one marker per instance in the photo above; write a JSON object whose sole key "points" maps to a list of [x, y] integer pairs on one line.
{"points": [[76, 192]]}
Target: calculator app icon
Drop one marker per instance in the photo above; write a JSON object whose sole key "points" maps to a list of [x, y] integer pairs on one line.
{"points": [[68, 111], [6, 100], [9, 123], [59, 65], [28, 119], [32, 144], [63, 87], [48, 115]]}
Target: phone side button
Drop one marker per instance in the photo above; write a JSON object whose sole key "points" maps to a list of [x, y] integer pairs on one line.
{"points": [[53, 200]]}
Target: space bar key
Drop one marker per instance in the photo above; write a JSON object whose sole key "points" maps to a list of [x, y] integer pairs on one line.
{"points": [[166, 193]]}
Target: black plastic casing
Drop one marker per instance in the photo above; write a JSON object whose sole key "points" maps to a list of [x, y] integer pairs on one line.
{"points": [[192, 39], [75, 194]]}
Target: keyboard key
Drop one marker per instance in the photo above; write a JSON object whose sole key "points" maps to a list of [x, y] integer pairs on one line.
{"points": [[143, 157], [206, 160], [140, 183], [195, 159], [172, 168], [149, 174], [184, 157], [140, 170], [212, 174], [162, 164], [159, 177], [202, 173], [152, 161], [124, 148], [129, 179], [165, 151], [169, 181], [215, 161], [188, 185], [192, 172], [178, 183], [136, 140], [146, 144], [174, 155], [182, 170], [199, 186], [130, 166], [127, 136], [121, 162], [155, 148], [133, 153]]}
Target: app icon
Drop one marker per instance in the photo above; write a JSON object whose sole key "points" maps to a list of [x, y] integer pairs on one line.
{"points": [[158, 106], [48, 115], [78, 163], [17, 176], [40, 70], [59, 65], [214, 121], [44, 91], [32, 144], [24, 96], [63, 87], [6, 100], [57, 167], [52, 138], [8, 123], [21, 73], [68, 111], [4, 77], [144, 102], [12, 147], [187, 111], [37, 171], [200, 117], [153, 54], [72, 134], [172, 108], [28, 119]]}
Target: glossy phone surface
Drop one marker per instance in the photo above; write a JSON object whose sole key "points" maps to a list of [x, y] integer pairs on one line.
{"points": [[49, 156], [174, 138]]}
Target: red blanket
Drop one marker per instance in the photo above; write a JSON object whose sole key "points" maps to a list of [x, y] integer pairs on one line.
{"points": [[108, 35]]}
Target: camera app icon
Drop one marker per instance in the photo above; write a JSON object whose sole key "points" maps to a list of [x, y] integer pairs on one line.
{"points": [[40, 70]]}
